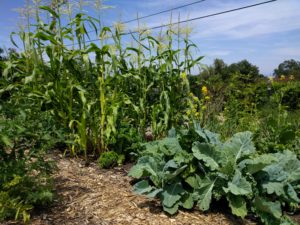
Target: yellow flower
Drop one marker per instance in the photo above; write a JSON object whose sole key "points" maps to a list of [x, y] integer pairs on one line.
{"points": [[204, 90], [282, 77], [183, 75]]}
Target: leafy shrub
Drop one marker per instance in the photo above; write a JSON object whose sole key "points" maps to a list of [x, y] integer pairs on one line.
{"points": [[277, 132], [25, 174], [25, 180], [127, 140], [108, 159], [194, 167], [290, 94]]}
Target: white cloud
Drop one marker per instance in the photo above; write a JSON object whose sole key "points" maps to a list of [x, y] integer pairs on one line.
{"points": [[279, 16], [268, 19]]}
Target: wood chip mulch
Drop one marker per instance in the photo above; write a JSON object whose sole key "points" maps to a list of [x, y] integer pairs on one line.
{"points": [[91, 196]]}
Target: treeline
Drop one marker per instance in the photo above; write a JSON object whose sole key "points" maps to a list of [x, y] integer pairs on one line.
{"points": [[243, 81]]}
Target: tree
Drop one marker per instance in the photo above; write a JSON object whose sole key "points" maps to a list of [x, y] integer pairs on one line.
{"points": [[221, 69], [247, 72], [288, 68]]}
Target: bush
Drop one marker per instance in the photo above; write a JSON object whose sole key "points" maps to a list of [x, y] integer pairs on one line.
{"points": [[25, 176], [108, 159]]}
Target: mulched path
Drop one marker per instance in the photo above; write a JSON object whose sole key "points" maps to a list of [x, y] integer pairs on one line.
{"points": [[89, 195]]}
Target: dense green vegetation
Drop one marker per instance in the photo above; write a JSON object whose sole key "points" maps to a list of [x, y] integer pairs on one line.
{"points": [[104, 100], [195, 166]]}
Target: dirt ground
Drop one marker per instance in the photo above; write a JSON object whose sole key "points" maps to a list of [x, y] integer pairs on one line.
{"points": [[89, 195]]}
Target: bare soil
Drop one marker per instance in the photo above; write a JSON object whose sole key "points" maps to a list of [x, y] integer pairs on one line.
{"points": [[89, 195]]}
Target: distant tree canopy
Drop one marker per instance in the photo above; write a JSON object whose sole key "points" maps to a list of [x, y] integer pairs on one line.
{"points": [[288, 68], [247, 71], [243, 70], [221, 69]]}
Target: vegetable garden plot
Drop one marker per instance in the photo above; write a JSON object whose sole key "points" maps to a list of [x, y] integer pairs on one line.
{"points": [[87, 195]]}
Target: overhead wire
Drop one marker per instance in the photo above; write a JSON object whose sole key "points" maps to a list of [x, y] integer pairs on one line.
{"points": [[193, 19], [202, 17], [157, 13]]}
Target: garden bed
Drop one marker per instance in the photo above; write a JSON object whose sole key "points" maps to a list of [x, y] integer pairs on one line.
{"points": [[89, 195]]}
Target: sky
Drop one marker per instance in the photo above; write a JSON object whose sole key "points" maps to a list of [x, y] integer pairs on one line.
{"points": [[265, 35]]}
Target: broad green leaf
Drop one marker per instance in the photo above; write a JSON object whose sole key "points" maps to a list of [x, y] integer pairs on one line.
{"points": [[183, 157], [287, 168], [193, 181], [207, 154], [170, 164], [257, 164], [154, 193], [238, 205], [239, 185], [267, 208], [204, 194], [292, 194], [213, 138], [145, 166], [274, 187], [170, 146], [166, 146], [272, 208], [169, 176], [142, 187], [171, 194], [187, 201], [238, 146], [200, 132], [171, 210], [206, 135]]}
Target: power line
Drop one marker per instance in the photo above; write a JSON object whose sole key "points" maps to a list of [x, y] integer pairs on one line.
{"points": [[202, 17], [164, 11], [157, 13], [193, 19]]}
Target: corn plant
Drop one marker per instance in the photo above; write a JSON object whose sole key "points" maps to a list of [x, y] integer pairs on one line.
{"points": [[142, 85]]}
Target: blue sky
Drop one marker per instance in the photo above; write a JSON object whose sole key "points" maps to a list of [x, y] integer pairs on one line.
{"points": [[265, 35]]}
